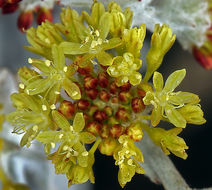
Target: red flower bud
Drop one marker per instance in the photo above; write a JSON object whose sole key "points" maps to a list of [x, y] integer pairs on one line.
{"points": [[122, 114], [112, 121], [103, 80], [125, 97], [135, 132], [67, 109], [108, 146], [126, 87], [43, 15], [2, 2], [104, 96], [113, 88], [204, 60], [94, 128], [12, 1], [86, 117], [92, 93], [104, 131], [25, 20], [90, 83], [9, 8], [100, 116], [137, 105], [83, 104], [116, 131], [141, 93]]}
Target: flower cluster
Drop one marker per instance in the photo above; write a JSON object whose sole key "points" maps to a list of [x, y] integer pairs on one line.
{"points": [[88, 91]]}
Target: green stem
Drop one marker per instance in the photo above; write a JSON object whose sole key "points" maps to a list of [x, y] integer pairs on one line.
{"points": [[95, 146]]}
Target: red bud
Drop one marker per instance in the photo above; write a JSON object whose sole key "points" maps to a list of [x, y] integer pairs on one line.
{"points": [[137, 105], [125, 87], [100, 116], [113, 88], [104, 96], [122, 114], [94, 128], [103, 80], [25, 20], [90, 82], [92, 93], [43, 15], [83, 104], [116, 131], [9, 8], [67, 109]]}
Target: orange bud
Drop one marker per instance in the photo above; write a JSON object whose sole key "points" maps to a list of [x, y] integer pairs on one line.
{"points": [[104, 96], [112, 121], [92, 93], [113, 88], [203, 59], [94, 128], [90, 83], [141, 93], [83, 104], [103, 80], [25, 20], [137, 105], [122, 114], [43, 15], [67, 109], [125, 97], [135, 132], [115, 100], [116, 131], [108, 110], [108, 146], [100, 116]]}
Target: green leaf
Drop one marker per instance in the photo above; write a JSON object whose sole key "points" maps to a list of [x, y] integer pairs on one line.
{"points": [[74, 48], [184, 98], [79, 122], [38, 86], [58, 57], [72, 89], [174, 80], [175, 117], [104, 58], [158, 81], [49, 137], [60, 120], [87, 137]]}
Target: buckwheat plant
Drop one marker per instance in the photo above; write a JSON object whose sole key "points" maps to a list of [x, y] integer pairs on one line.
{"points": [[87, 90]]}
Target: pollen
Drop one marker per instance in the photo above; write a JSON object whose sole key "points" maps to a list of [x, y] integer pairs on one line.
{"points": [[65, 69], [30, 60], [21, 85], [35, 128], [74, 93], [130, 162], [97, 33], [52, 145], [94, 43], [85, 153], [60, 136], [47, 63], [65, 148], [56, 92], [53, 107], [44, 108]]}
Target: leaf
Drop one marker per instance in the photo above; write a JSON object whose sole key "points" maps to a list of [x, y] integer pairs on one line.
{"points": [[60, 120], [87, 137], [49, 137], [174, 80], [175, 117], [71, 88], [74, 48], [79, 122]]}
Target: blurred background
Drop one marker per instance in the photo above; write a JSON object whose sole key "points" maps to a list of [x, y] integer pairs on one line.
{"points": [[196, 170]]}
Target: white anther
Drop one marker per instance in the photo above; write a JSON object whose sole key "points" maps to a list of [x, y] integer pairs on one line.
{"points": [[27, 91], [74, 93], [47, 63], [47, 40], [53, 107], [97, 33], [60, 136], [35, 128], [56, 92], [76, 153], [30, 60], [44, 108], [65, 69], [65, 148], [68, 155], [86, 39], [120, 162], [52, 145], [130, 162], [85, 153], [94, 43], [21, 85], [99, 41], [71, 128], [127, 152]]}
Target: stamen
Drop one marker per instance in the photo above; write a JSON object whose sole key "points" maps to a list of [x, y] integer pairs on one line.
{"points": [[35, 128], [30, 60], [85, 153], [65, 69], [47, 63], [65, 148], [97, 33], [53, 107], [52, 145], [56, 92], [60, 136]]}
